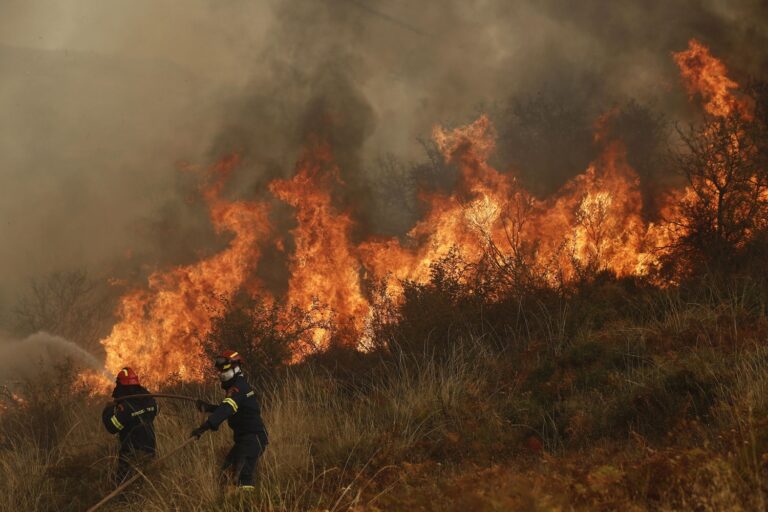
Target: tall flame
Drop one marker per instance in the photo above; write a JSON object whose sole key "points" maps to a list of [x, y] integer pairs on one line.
{"points": [[707, 77], [595, 221], [324, 267], [160, 326]]}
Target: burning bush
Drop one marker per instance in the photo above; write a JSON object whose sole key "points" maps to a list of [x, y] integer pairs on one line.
{"points": [[726, 205], [265, 336]]}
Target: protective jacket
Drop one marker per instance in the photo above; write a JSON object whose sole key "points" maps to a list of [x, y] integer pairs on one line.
{"points": [[132, 419], [242, 411]]}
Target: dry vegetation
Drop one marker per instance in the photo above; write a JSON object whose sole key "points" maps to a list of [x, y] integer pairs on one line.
{"points": [[659, 402], [487, 388]]}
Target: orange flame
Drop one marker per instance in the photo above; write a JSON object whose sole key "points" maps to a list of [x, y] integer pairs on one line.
{"points": [[707, 77], [94, 383], [594, 222], [324, 268], [595, 218], [159, 327]]}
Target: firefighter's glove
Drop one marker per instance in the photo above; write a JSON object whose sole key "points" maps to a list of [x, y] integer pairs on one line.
{"points": [[199, 431], [204, 406]]}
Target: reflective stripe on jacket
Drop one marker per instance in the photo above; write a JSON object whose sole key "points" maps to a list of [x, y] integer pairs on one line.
{"points": [[242, 411], [132, 419]]}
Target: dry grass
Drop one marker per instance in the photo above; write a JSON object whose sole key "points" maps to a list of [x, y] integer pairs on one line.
{"points": [[328, 443], [667, 413]]}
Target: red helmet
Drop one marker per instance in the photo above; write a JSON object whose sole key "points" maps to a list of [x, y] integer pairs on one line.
{"points": [[227, 359], [127, 377]]}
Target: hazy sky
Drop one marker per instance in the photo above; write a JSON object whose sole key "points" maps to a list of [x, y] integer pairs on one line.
{"points": [[101, 100]]}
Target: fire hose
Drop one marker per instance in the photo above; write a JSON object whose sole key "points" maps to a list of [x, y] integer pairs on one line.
{"points": [[120, 488], [156, 395]]}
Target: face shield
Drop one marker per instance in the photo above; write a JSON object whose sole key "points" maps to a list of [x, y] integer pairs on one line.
{"points": [[227, 369], [226, 375]]}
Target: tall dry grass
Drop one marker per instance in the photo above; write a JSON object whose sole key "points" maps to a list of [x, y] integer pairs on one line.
{"points": [[329, 442], [661, 407]]}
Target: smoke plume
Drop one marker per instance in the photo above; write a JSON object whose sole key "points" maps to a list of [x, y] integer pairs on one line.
{"points": [[24, 359], [108, 105]]}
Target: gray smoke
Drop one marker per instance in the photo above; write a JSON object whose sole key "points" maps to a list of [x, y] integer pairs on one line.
{"points": [[38, 353], [102, 100]]}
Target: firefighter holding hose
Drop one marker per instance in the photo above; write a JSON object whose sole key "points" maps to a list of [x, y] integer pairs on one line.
{"points": [[133, 420], [241, 409]]}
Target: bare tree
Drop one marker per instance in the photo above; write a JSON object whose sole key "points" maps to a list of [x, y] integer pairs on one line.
{"points": [[68, 304], [727, 203], [547, 139], [593, 216], [395, 185], [511, 258], [268, 335]]}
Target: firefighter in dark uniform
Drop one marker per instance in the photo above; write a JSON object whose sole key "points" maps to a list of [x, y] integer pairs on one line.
{"points": [[241, 409], [132, 419]]}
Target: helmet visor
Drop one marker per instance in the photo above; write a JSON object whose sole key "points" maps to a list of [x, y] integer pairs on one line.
{"points": [[222, 363]]}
